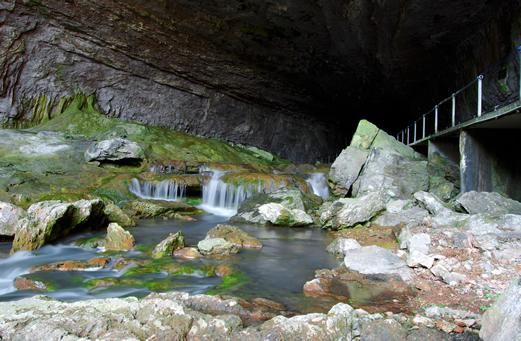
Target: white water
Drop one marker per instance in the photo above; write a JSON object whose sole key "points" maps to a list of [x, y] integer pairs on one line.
{"points": [[318, 183], [163, 190]]}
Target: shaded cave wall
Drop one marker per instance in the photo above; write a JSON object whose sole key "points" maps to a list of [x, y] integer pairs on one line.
{"points": [[294, 80]]}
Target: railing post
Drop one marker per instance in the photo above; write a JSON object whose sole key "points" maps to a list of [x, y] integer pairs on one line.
{"points": [[423, 126], [480, 94], [414, 139], [408, 135], [403, 139], [453, 110], [435, 119]]}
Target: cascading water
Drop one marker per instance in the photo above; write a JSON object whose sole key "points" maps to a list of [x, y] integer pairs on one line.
{"points": [[222, 198], [318, 183], [164, 190]]}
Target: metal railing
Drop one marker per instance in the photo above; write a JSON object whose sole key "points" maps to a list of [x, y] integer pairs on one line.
{"points": [[468, 102]]}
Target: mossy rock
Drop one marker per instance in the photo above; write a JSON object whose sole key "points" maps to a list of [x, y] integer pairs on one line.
{"points": [[160, 208]]}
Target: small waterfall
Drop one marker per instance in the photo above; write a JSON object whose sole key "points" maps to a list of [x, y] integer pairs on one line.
{"points": [[164, 190], [223, 198], [318, 183]]}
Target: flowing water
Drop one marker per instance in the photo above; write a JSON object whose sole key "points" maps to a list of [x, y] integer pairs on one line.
{"points": [[278, 271]]}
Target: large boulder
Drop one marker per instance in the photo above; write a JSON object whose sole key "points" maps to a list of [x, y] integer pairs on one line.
{"points": [[293, 203], [490, 204], [169, 245], [502, 321], [348, 166], [9, 217], [234, 235], [391, 175], [347, 212], [117, 215], [49, 220], [116, 150], [376, 260], [345, 170]]}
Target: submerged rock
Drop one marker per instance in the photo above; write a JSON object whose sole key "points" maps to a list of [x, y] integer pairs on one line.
{"points": [[9, 218], [73, 265], [118, 238], [234, 235], [49, 220], [24, 283], [169, 245]]}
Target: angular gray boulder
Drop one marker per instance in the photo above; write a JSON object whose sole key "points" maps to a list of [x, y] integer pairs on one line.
{"points": [[489, 203], [348, 212], [339, 247], [392, 176], [279, 215], [118, 239], [115, 150], [502, 321], [376, 260], [345, 170], [10, 215]]}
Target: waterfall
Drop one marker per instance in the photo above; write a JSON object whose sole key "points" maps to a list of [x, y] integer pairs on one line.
{"points": [[163, 190], [223, 198], [318, 183]]}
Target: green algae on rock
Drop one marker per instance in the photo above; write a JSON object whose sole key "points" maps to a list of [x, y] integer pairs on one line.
{"points": [[234, 235], [169, 245], [118, 239]]}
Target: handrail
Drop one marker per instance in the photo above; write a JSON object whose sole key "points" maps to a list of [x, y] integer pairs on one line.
{"points": [[404, 135]]}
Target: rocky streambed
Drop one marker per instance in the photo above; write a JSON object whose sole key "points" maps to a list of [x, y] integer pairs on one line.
{"points": [[409, 257]]}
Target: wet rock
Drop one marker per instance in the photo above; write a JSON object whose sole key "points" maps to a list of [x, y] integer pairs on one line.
{"points": [[169, 245], [216, 246], [10, 215], [49, 220], [116, 215], [118, 238], [392, 176], [73, 265], [345, 170], [341, 245], [290, 198], [279, 215], [376, 260], [116, 150], [489, 204], [32, 284], [502, 321], [234, 235], [188, 253], [144, 209], [348, 212]]}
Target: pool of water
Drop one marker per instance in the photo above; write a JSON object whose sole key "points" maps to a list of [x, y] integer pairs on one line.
{"points": [[278, 271]]}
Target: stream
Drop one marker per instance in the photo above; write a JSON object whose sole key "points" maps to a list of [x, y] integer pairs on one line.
{"points": [[278, 271]]}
